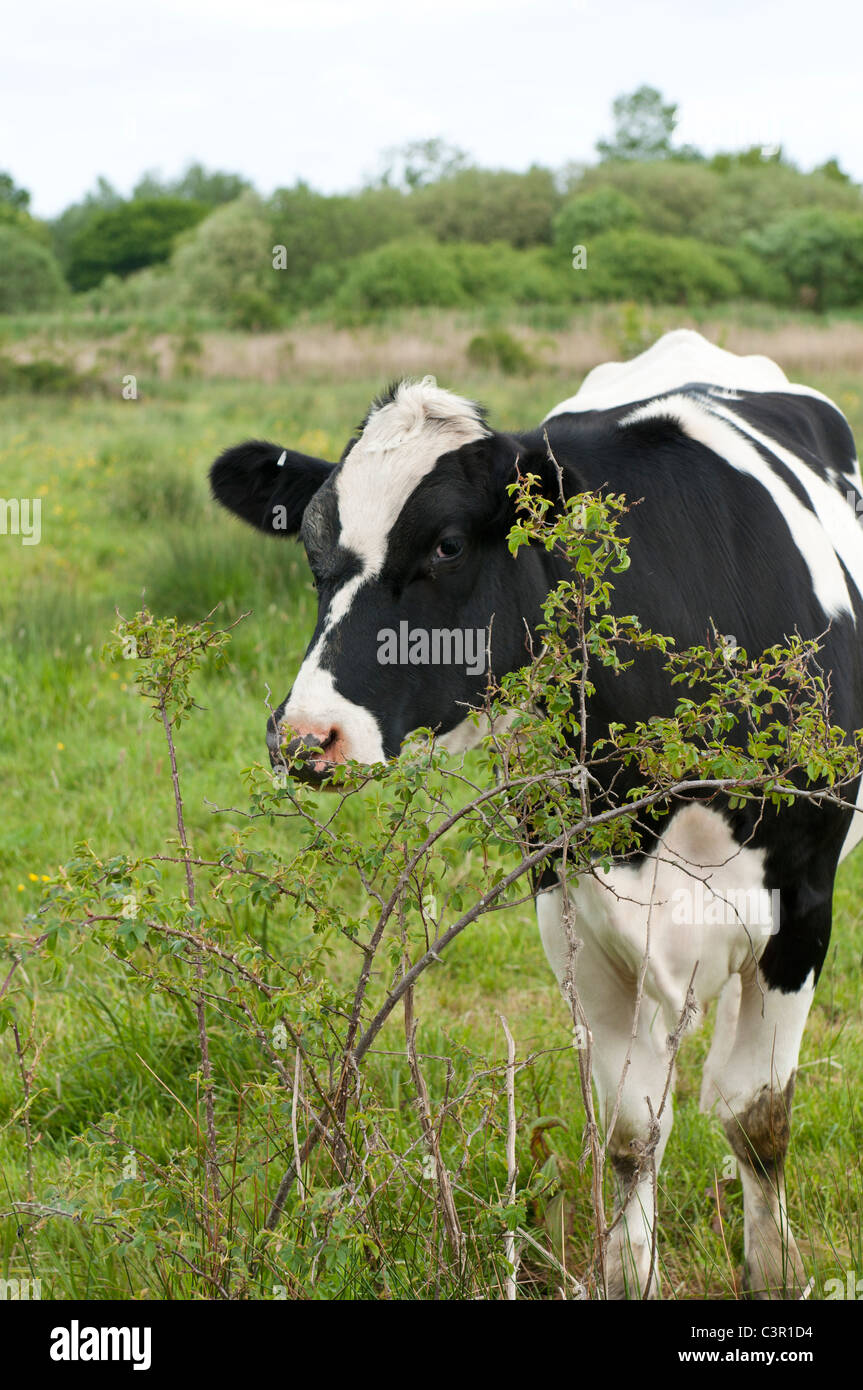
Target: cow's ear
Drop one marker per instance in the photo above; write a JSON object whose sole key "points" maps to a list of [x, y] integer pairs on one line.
{"points": [[269, 487]]}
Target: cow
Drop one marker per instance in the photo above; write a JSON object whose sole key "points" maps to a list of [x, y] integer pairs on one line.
{"points": [[748, 492]]}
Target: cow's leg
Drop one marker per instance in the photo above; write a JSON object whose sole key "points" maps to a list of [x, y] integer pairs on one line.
{"points": [[754, 1085], [636, 1145]]}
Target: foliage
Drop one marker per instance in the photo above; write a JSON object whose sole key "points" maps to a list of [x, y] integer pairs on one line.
{"points": [[14, 210], [736, 205], [716, 206], [590, 214], [489, 205], [643, 126], [321, 232], [30, 277], [401, 273], [820, 253], [758, 278], [212, 187], [420, 162], [498, 348], [226, 264], [11, 194], [422, 272], [43, 376], [499, 274], [658, 270], [125, 238], [75, 218]]}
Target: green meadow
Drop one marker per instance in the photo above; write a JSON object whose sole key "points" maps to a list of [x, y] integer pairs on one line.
{"points": [[126, 518]]}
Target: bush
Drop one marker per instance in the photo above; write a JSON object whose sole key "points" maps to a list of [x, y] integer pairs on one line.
{"points": [[419, 272], [590, 214], [656, 269], [717, 205], [253, 311], [499, 349], [748, 199], [43, 377], [402, 274], [668, 196], [322, 232], [488, 205], [30, 277], [498, 273], [820, 253], [227, 265], [758, 278], [119, 240]]}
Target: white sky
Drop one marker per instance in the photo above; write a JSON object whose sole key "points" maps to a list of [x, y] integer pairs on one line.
{"points": [[316, 89]]}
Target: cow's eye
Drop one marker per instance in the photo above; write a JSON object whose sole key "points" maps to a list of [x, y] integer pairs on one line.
{"points": [[449, 548]]}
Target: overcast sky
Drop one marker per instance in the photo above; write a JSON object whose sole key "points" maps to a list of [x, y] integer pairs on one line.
{"points": [[316, 89]]}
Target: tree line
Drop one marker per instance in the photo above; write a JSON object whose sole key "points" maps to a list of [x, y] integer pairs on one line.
{"points": [[651, 220]]}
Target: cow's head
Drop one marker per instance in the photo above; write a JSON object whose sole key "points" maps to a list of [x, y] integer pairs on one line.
{"points": [[405, 536]]}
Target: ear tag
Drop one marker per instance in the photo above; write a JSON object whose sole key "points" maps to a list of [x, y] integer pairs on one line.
{"points": [[280, 462]]}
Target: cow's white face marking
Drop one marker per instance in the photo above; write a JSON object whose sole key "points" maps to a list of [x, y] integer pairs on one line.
{"points": [[400, 445], [316, 707]]}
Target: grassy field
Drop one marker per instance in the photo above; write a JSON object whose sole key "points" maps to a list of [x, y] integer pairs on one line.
{"points": [[126, 515]]}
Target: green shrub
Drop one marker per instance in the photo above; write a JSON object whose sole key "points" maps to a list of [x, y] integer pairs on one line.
{"points": [[487, 205], [226, 265], [498, 273], [748, 199], [419, 272], [30, 276], [717, 205], [322, 233], [590, 214], [657, 269], [499, 349], [401, 274], [253, 311], [43, 377], [667, 194], [821, 254], [119, 240], [758, 278]]}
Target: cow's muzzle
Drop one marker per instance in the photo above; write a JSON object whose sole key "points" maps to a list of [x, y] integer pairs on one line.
{"points": [[307, 756]]}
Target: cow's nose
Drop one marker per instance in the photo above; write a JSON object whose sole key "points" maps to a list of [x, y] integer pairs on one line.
{"points": [[306, 752]]}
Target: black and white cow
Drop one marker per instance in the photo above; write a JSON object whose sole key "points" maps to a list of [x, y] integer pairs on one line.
{"points": [[745, 528]]}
